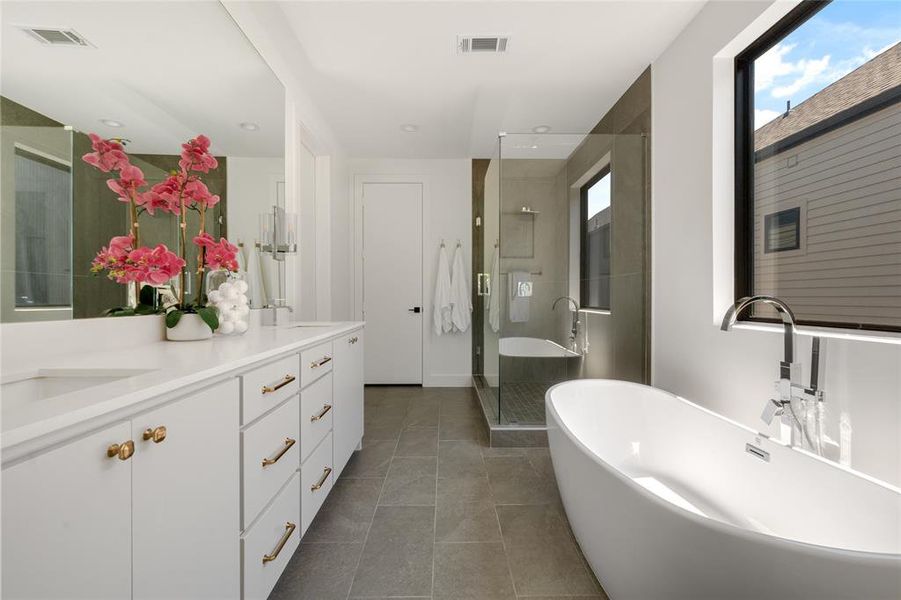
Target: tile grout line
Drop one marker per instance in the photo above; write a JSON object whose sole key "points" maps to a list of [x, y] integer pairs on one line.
{"points": [[499, 528], [435, 520], [374, 511]]}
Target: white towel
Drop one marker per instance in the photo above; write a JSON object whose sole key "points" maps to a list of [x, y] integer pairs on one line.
{"points": [[461, 301], [441, 310], [494, 292], [519, 290]]}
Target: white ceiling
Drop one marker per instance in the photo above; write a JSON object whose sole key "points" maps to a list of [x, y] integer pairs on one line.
{"points": [[378, 65], [167, 70]]}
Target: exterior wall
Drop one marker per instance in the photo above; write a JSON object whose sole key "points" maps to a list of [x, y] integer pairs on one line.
{"points": [[847, 187]]}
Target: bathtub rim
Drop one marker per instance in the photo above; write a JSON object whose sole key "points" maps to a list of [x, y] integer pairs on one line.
{"points": [[703, 520]]}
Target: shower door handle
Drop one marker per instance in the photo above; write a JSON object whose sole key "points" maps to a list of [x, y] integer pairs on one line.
{"points": [[483, 284]]}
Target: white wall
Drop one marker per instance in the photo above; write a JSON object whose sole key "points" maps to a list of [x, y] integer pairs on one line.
{"points": [[447, 213], [251, 187], [732, 373]]}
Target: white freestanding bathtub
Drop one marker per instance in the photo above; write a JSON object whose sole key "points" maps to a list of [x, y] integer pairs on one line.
{"points": [[668, 503]]}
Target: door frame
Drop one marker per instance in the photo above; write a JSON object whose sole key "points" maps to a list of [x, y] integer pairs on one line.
{"points": [[359, 180]]}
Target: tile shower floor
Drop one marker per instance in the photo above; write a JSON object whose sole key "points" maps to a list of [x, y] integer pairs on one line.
{"points": [[521, 403], [426, 511]]}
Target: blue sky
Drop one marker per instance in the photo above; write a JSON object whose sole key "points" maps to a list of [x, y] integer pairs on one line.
{"points": [[841, 37], [599, 196]]}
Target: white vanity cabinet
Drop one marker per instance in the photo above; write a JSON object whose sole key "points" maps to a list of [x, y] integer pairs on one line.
{"points": [[185, 506], [67, 521], [348, 397], [114, 515], [203, 493]]}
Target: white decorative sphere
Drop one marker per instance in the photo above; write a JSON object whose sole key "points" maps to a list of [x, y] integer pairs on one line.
{"points": [[226, 327], [240, 326], [242, 286], [243, 310], [226, 315], [242, 300], [215, 296]]}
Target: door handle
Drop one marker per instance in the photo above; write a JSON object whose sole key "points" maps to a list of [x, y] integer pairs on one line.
{"points": [[415, 309], [483, 284]]}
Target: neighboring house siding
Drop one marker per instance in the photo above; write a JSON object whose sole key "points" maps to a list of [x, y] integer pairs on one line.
{"points": [[847, 184]]}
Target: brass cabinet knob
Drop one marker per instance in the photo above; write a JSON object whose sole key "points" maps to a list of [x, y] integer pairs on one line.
{"points": [[123, 451], [157, 434]]}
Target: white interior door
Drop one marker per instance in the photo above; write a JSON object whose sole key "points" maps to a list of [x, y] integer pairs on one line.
{"points": [[392, 282]]}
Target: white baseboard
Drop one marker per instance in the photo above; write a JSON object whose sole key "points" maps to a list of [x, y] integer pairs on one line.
{"points": [[464, 380]]}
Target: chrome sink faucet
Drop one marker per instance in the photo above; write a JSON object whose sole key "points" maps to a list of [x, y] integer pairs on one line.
{"points": [[574, 332], [791, 392]]}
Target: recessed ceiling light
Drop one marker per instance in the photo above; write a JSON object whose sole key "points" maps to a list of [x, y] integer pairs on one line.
{"points": [[541, 129], [111, 123], [410, 128], [247, 126]]}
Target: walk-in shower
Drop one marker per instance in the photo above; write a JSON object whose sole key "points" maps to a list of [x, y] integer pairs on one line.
{"points": [[560, 268]]}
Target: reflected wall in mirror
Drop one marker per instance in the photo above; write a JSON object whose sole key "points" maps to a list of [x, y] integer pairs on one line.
{"points": [[68, 70]]}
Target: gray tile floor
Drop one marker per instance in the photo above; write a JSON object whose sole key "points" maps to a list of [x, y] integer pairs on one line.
{"points": [[427, 511]]}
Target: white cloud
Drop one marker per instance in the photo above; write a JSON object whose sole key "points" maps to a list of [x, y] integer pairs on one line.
{"points": [[771, 65], [811, 71], [762, 116]]}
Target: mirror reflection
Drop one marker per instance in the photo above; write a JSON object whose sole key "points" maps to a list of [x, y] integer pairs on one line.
{"points": [[163, 83]]}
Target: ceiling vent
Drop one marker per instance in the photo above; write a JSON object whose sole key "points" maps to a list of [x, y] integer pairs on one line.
{"points": [[494, 44], [57, 37]]}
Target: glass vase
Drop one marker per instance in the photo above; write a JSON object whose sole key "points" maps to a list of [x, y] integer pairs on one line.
{"points": [[227, 292]]}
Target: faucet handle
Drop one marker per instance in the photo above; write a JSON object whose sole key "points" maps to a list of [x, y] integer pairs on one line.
{"points": [[771, 410]]}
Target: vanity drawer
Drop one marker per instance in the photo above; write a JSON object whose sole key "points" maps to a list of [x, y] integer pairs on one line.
{"points": [[315, 481], [270, 448], [267, 386], [315, 414], [314, 363], [267, 547]]}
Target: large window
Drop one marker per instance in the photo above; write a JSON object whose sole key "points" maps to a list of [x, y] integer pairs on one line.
{"points": [[818, 165], [596, 242]]}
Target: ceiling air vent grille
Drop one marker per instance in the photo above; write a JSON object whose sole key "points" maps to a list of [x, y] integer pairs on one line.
{"points": [[482, 43], [57, 37]]}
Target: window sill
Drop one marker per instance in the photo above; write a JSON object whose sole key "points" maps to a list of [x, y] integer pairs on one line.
{"points": [[879, 337]]}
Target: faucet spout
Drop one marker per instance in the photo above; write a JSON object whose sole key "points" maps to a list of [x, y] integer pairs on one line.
{"points": [[788, 322], [574, 331]]}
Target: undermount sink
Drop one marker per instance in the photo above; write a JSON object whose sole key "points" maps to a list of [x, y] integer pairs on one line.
{"points": [[49, 383]]}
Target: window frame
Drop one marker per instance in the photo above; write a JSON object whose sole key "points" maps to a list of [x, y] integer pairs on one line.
{"points": [[745, 159], [583, 237]]}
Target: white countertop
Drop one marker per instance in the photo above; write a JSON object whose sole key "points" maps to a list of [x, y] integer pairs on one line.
{"points": [[176, 365]]}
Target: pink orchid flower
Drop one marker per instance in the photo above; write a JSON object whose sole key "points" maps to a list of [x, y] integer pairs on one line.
{"points": [[196, 192], [108, 155], [130, 179], [221, 255], [169, 190], [195, 155], [154, 265]]}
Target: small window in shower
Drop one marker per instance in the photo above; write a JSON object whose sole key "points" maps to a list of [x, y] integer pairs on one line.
{"points": [[596, 242]]}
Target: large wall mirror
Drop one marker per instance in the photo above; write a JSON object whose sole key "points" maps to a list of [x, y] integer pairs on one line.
{"points": [[154, 75]]}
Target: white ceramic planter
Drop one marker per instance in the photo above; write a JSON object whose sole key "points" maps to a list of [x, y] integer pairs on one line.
{"points": [[189, 328]]}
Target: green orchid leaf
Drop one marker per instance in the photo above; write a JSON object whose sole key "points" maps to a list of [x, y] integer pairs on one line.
{"points": [[209, 316], [172, 318], [147, 295]]}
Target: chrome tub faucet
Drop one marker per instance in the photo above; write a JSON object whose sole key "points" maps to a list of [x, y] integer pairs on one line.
{"points": [[792, 395], [574, 331]]}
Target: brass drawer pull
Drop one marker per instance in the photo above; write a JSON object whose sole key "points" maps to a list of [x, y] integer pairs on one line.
{"points": [[157, 434], [321, 414], [289, 529], [122, 451], [321, 482], [268, 389], [318, 363], [274, 459], [353, 340]]}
